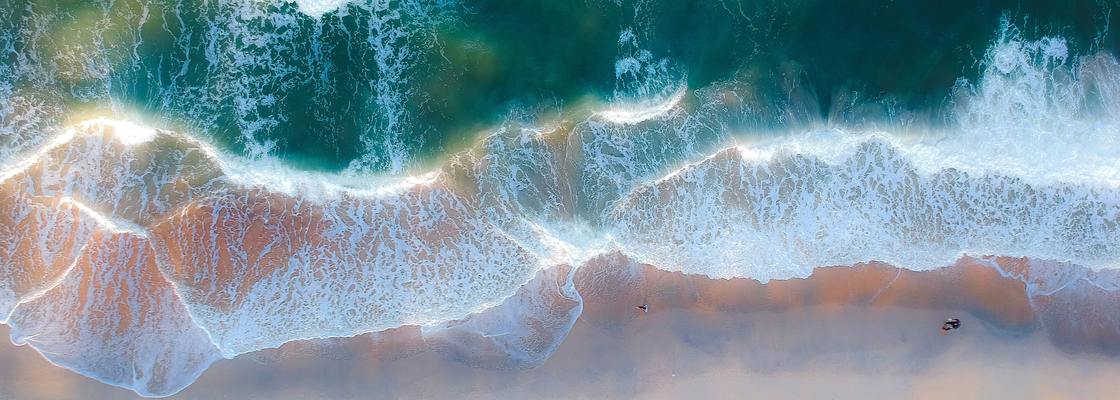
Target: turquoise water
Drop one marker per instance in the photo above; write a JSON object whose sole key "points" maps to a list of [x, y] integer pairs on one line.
{"points": [[382, 86], [182, 182]]}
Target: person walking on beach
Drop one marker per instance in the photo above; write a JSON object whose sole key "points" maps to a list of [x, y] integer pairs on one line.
{"points": [[950, 324]]}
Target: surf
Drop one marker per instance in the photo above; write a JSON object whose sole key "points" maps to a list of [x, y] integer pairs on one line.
{"points": [[243, 252]]}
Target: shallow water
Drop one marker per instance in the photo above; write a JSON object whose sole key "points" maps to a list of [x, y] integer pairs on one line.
{"points": [[845, 332], [182, 183]]}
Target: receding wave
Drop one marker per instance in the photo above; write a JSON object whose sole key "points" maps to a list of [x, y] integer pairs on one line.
{"points": [[178, 254]]}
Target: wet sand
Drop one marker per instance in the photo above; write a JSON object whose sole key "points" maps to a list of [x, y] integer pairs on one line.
{"points": [[869, 331]]}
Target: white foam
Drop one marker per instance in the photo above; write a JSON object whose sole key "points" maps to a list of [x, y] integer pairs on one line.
{"points": [[260, 254], [645, 87], [317, 8], [633, 114], [522, 331], [141, 339], [126, 132], [108, 223], [1036, 112], [343, 268], [781, 216]]}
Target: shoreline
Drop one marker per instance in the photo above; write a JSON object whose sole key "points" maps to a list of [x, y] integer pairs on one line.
{"points": [[867, 330]]}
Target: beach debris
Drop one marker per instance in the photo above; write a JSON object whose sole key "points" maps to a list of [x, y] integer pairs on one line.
{"points": [[644, 307]]}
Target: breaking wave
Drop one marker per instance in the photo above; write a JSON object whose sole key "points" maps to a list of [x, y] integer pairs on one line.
{"points": [[247, 75], [176, 254]]}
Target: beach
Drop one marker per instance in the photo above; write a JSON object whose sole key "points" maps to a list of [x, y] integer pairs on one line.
{"points": [[844, 332], [303, 199]]}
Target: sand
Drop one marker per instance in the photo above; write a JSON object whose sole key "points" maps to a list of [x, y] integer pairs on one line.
{"points": [[869, 331]]}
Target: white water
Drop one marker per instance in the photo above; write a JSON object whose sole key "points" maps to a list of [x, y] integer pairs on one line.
{"points": [[225, 71], [229, 255]]}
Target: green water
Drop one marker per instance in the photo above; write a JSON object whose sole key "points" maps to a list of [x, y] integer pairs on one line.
{"points": [[392, 84]]}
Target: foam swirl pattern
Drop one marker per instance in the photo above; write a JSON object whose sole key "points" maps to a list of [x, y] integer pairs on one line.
{"points": [[139, 256]]}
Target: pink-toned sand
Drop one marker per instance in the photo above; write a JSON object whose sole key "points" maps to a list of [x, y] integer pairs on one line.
{"points": [[869, 331]]}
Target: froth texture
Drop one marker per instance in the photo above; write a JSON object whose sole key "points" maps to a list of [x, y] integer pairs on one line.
{"points": [[139, 256], [792, 213], [114, 318]]}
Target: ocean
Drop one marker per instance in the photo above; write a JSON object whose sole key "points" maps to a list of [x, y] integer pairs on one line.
{"points": [[182, 182]]}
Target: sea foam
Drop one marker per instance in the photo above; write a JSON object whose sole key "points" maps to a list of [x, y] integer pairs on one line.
{"points": [[223, 255]]}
